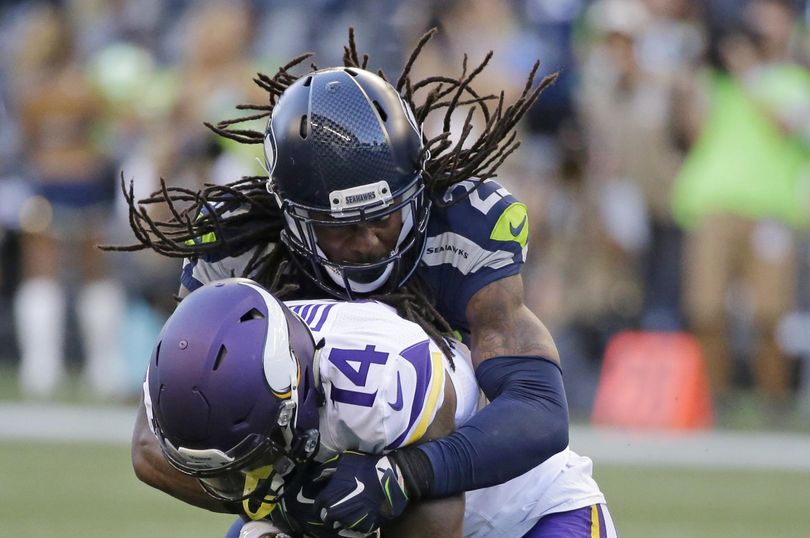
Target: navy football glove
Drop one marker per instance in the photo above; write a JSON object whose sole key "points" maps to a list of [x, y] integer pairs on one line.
{"points": [[363, 492], [297, 511]]}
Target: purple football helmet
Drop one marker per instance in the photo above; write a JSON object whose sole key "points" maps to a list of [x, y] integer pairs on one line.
{"points": [[232, 390]]}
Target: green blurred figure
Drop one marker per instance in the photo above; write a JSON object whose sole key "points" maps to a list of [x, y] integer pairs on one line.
{"points": [[743, 192]]}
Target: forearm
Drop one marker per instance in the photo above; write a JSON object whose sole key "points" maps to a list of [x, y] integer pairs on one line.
{"points": [[517, 367], [438, 517], [152, 468], [526, 423]]}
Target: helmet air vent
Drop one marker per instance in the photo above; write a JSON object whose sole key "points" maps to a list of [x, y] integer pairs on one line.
{"points": [[157, 353], [243, 419], [220, 355], [253, 313], [380, 111], [303, 129], [308, 81], [352, 72]]}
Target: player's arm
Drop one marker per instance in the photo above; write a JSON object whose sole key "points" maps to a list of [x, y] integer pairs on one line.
{"points": [[501, 325], [152, 468], [434, 517], [518, 369]]}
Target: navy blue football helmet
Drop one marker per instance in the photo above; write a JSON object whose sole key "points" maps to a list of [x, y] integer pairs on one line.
{"points": [[233, 392], [342, 147]]}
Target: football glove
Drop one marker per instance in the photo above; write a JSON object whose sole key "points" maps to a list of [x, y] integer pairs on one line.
{"points": [[296, 509], [363, 492]]}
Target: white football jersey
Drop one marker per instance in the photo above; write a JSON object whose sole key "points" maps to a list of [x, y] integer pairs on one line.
{"points": [[383, 379]]}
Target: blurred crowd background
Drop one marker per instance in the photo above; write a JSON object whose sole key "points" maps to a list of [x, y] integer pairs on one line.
{"points": [[667, 171]]}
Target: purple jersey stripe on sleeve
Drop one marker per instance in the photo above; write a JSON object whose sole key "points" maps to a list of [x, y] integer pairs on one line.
{"points": [[419, 356], [304, 312], [322, 319], [312, 313]]}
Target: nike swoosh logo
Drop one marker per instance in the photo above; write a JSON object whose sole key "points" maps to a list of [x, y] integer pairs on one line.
{"points": [[397, 405], [303, 500], [355, 492], [516, 231]]}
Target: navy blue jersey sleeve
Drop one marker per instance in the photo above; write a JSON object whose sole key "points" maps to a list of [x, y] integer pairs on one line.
{"points": [[231, 258], [475, 237]]}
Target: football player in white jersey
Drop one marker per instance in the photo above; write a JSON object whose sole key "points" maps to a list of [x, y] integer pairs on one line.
{"points": [[243, 391], [358, 202]]}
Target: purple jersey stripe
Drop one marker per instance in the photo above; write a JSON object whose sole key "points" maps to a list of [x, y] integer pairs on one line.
{"points": [[309, 312], [310, 315], [577, 523], [601, 516], [322, 319], [419, 356]]}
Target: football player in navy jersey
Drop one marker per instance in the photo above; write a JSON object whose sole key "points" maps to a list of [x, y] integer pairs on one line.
{"points": [[359, 202]]}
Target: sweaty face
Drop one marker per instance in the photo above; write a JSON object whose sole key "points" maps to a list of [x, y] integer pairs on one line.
{"points": [[365, 242]]}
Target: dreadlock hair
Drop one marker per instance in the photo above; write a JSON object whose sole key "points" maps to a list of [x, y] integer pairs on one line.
{"points": [[204, 221]]}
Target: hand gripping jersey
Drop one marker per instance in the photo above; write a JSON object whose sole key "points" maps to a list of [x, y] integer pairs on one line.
{"points": [[475, 236], [383, 381]]}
